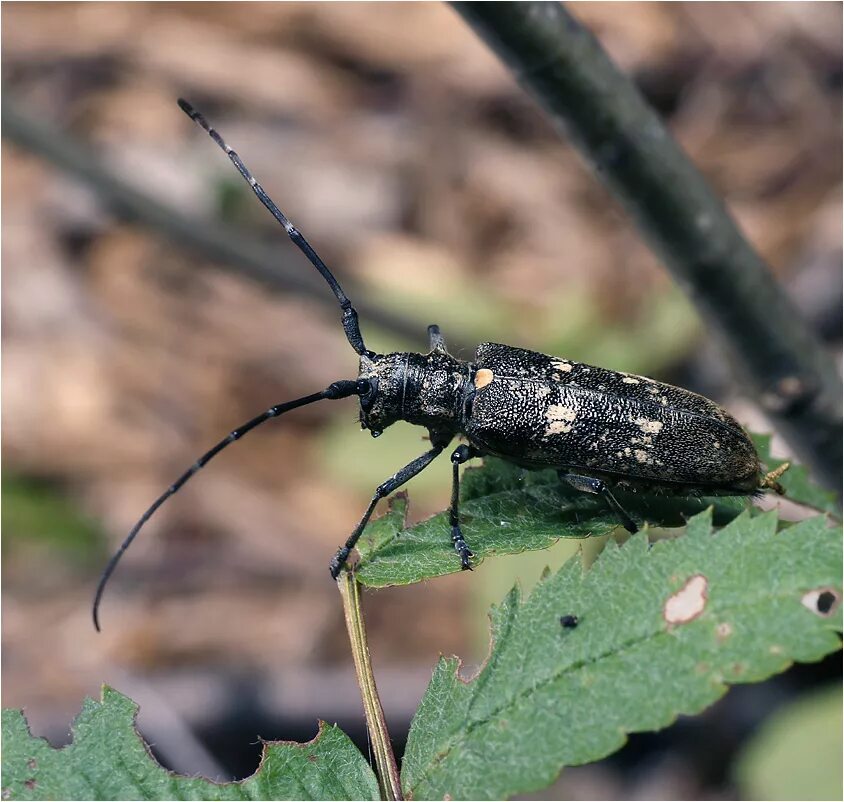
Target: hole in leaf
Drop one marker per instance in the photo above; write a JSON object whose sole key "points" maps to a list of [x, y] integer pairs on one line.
{"points": [[822, 601]]}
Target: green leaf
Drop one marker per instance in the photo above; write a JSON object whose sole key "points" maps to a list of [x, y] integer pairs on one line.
{"points": [[663, 631], [796, 482], [797, 752], [108, 760], [507, 510], [38, 513]]}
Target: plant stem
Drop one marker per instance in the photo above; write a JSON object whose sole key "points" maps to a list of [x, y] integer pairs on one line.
{"points": [[563, 66], [385, 761]]}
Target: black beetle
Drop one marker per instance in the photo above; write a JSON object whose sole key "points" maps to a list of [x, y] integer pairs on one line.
{"points": [[599, 428]]}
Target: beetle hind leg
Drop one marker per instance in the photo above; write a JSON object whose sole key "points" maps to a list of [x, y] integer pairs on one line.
{"points": [[588, 484], [461, 454]]}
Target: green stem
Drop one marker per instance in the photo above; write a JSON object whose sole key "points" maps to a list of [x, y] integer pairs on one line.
{"points": [[385, 761]]}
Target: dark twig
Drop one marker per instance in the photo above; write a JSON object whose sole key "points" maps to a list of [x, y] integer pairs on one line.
{"points": [[267, 264], [562, 65]]}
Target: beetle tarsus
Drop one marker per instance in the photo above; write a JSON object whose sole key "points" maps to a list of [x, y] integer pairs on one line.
{"points": [[338, 561], [462, 453], [462, 548], [769, 481]]}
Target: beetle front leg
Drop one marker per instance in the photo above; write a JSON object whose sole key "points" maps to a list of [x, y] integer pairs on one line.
{"points": [[588, 484], [461, 454], [382, 491]]}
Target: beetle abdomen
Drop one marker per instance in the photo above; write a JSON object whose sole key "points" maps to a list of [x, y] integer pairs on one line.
{"points": [[568, 415]]}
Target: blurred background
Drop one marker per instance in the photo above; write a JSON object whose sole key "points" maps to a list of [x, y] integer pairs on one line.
{"points": [[439, 193]]}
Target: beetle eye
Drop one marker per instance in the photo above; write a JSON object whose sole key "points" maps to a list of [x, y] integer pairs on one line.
{"points": [[369, 389]]}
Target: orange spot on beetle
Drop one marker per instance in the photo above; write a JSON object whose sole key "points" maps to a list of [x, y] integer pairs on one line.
{"points": [[483, 377]]}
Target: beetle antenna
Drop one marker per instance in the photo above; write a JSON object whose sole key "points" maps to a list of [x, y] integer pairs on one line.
{"points": [[350, 315], [339, 389]]}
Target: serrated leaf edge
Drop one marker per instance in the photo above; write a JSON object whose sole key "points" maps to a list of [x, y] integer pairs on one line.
{"points": [[720, 685], [106, 691]]}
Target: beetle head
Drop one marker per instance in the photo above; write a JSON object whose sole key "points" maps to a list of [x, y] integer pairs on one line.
{"points": [[381, 403]]}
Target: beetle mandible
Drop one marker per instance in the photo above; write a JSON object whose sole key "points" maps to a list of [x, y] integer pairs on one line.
{"points": [[599, 428]]}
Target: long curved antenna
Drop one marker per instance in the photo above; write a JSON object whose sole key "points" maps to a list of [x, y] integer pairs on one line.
{"points": [[350, 315], [339, 389]]}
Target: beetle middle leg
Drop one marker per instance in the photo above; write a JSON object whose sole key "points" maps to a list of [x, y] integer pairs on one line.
{"points": [[384, 489], [461, 454], [588, 484]]}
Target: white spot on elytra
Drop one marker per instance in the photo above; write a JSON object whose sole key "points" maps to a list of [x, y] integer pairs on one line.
{"points": [[641, 456], [561, 412], [687, 603], [648, 426], [716, 444], [629, 380], [560, 418], [562, 365]]}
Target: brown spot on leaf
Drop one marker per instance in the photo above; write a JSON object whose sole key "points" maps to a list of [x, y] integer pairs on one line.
{"points": [[688, 602], [32, 764], [30, 783], [723, 631], [822, 601]]}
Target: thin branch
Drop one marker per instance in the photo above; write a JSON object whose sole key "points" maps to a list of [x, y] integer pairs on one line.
{"points": [[266, 264], [564, 68], [385, 761]]}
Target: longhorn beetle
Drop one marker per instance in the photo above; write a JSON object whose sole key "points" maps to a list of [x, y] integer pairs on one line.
{"points": [[599, 428]]}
